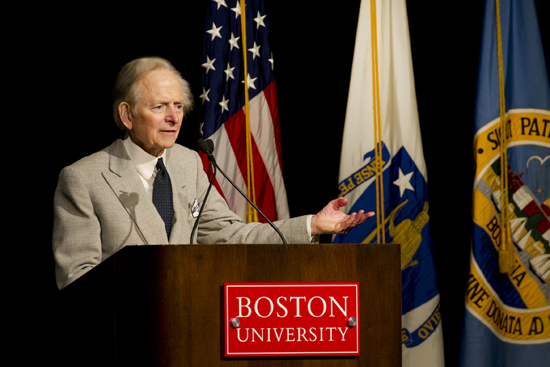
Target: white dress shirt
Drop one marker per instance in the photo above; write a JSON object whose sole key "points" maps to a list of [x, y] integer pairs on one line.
{"points": [[145, 163]]}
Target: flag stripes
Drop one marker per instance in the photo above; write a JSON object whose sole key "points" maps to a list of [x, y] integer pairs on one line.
{"points": [[249, 153]]}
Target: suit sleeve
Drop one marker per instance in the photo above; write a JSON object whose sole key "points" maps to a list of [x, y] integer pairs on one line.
{"points": [[77, 232], [218, 224]]}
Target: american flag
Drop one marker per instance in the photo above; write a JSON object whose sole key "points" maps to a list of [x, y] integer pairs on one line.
{"points": [[254, 164]]}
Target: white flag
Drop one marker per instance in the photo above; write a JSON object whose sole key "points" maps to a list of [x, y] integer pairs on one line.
{"points": [[382, 168]]}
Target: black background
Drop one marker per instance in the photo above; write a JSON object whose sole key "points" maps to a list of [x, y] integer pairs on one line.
{"points": [[62, 96]]}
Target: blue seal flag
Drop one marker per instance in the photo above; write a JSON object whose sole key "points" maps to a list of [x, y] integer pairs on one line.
{"points": [[382, 168], [507, 318]]}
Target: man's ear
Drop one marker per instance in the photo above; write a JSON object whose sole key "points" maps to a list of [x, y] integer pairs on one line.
{"points": [[125, 113]]}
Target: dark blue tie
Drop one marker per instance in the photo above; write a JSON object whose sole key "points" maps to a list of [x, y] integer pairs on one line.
{"points": [[162, 196]]}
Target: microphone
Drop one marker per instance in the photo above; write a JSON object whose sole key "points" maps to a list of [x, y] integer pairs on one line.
{"points": [[207, 147]]}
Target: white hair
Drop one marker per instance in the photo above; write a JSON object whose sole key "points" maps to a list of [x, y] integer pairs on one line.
{"points": [[127, 83]]}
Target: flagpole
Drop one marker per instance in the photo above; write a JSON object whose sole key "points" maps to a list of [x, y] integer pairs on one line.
{"points": [[251, 214], [380, 224], [506, 251]]}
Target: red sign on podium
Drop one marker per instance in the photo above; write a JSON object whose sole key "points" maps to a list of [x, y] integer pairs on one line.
{"points": [[291, 319]]}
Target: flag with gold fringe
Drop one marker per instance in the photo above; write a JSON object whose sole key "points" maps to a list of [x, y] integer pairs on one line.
{"points": [[382, 168], [239, 108], [507, 317]]}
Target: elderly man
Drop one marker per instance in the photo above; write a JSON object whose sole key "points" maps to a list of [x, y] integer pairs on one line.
{"points": [[110, 199]]}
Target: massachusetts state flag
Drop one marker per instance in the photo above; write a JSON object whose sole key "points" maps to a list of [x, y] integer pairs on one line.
{"points": [[507, 318], [239, 107], [382, 168]]}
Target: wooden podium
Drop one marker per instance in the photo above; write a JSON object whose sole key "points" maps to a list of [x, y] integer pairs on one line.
{"points": [[163, 305]]}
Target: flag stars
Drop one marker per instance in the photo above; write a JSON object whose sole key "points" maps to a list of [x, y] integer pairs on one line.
{"points": [[204, 95], [229, 72], [255, 51], [250, 82], [209, 64], [259, 20], [224, 104], [237, 10], [215, 32], [404, 182], [220, 3], [271, 61], [234, 41]]}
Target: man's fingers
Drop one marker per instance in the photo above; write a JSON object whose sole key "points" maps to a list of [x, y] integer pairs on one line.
{"points": [[356, 219]]}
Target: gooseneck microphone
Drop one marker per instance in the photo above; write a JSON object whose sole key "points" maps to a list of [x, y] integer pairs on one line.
{"points": [[207, 147]]}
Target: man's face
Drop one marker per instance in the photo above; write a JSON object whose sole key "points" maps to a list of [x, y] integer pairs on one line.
{"points": [[156, 121]]}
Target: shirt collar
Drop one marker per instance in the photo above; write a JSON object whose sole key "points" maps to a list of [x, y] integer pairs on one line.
{"points": [[144, 162]]}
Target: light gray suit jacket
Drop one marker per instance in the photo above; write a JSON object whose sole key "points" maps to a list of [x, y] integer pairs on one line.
{"points": [[100, 206]]}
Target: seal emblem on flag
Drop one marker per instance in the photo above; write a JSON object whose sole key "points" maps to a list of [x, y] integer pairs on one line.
{"points": [[407, 223], [517, 306]]}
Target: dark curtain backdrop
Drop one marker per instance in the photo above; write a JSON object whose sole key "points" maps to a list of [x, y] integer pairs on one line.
{"points": [[74, 54]]}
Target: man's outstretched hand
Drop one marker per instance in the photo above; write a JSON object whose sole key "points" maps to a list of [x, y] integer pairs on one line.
{"points": [[330, 220]]}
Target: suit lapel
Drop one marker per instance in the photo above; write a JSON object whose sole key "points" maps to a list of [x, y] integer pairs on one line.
{"points": [[126, 184]]}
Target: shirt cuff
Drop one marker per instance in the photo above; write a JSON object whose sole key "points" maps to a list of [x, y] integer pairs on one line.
{"points": [[312, 239]]}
